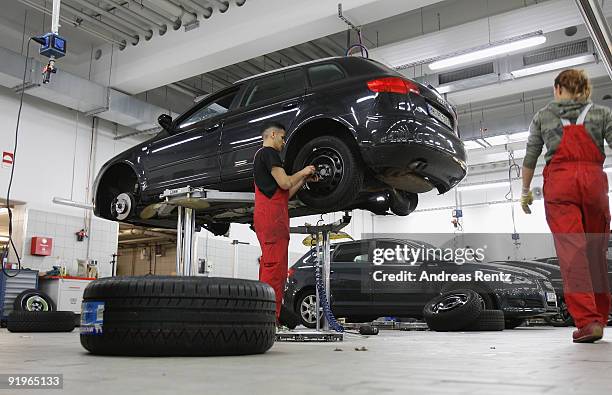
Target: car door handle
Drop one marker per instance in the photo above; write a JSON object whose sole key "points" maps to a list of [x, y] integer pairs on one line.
{"points": [[289, 105], [213, 127]]}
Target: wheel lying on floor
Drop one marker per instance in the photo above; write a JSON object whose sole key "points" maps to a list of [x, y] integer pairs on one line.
{"points": [[452, 311], [512, 323], [177, 316], [33, 300], [488, 320], [41, 321]]}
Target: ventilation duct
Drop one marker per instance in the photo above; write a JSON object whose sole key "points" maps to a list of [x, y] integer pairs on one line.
{"points": [[466, 73], [78, 93], [556, 52]]}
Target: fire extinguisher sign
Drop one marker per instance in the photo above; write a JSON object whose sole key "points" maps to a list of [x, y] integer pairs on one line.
{"points": [[7, 159]]}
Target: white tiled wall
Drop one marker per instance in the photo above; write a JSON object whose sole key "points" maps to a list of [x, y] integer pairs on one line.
{"points": [[220, 254], [100, 246]]}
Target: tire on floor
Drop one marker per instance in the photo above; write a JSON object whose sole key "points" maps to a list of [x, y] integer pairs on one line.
{"points": [[488, 320], [33, 300], [41, 321], [177, 316], [452, 311]]}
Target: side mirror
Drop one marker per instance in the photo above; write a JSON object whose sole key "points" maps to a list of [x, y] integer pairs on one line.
{"points": [[165, 121]]}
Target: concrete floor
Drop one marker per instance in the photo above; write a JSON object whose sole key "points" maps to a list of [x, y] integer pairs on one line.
{"points": [[536, 360]]}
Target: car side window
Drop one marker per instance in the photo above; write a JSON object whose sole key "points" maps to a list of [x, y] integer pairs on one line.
{"points": [[212, 109], [324, 74], [354, 252], [274, 86]]}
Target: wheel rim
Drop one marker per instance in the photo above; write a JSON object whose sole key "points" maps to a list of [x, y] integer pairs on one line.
{"points": [[330, 169], [308, 309], [36, 303], [121, 206], [450, 302]]}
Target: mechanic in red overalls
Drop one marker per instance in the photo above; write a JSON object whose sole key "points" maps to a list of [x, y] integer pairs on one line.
{"points": [[575, 196], [273, 189]]}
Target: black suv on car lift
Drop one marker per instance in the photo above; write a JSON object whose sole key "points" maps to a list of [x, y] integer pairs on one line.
{"points": [[377, 138]]}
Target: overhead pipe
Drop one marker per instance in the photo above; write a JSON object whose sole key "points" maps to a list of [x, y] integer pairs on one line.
{"points": [[223, 5], [131, 38], [172, 9], [596, 24], [162, 27], [205, 11], [73, 23], [147, 33], [142, 232], [151, 13]]}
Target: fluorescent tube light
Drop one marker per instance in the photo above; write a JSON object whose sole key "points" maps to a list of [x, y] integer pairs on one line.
{"points": [[558, 64], [492, 141], [476, 187], [4, 239], [3, 211], [488, 52]]}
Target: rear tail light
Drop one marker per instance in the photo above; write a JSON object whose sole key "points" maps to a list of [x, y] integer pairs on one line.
{"points": [[393, 85], [290, 272]]}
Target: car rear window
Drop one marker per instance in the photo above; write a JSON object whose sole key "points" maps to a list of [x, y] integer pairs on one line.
{"points": [[324, 74], [275, 86]]}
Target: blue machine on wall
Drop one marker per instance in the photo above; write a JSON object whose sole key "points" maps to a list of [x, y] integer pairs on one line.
{"points": [[53, 46]]}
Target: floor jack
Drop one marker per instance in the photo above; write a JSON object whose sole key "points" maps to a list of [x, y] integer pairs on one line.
{"points": [[321, 233], [188, 198]]}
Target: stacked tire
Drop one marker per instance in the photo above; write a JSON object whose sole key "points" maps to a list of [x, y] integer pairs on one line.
{"points": [[34, 311], [461, 310], [177, 316]]}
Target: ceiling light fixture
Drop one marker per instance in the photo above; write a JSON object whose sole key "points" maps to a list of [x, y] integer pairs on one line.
{"points": [[490, 51], [492, 141], [476, 187], [558, 64]]}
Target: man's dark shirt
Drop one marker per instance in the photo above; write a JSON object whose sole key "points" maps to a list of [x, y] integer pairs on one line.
{"points": [[265, 159]]}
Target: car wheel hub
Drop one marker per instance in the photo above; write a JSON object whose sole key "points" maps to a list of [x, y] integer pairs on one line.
{"points": [[36, 303], [330, 169], [121, 206], [450, 302], [308, 309]]}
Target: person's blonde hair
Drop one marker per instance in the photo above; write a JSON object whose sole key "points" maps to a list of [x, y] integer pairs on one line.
{"points": [[576, 82]]}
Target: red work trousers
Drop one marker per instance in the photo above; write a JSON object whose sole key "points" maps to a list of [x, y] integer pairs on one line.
{"points": [[271, 222], [577, 212]]}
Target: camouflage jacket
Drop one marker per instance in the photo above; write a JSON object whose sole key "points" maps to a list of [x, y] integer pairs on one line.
{"points": [[546, 128]]}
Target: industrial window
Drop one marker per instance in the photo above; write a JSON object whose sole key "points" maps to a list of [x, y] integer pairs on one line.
{"points": [[214, 108], [324, 74], [275, 86]]}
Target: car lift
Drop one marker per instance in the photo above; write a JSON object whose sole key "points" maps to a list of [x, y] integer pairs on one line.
{"points": [[185, 199]]}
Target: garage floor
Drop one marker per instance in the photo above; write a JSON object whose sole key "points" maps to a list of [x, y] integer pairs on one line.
{"points": [[536, 360]]}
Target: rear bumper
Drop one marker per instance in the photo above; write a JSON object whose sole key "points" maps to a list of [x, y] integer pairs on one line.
{"points": [[400, 150]]}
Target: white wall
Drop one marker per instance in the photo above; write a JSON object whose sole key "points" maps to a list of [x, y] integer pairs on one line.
{"points": [[54, 142], [52, 160]]}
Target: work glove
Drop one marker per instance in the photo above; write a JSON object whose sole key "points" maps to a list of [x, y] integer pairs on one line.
{"points": [[526, 201]]}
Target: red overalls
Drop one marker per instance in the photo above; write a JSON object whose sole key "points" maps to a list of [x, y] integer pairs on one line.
{"points": [[271, 222], [577, 212]]}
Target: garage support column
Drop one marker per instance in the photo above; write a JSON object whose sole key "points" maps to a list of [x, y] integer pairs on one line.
{"points": [[185, 228], [179, 241]]}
